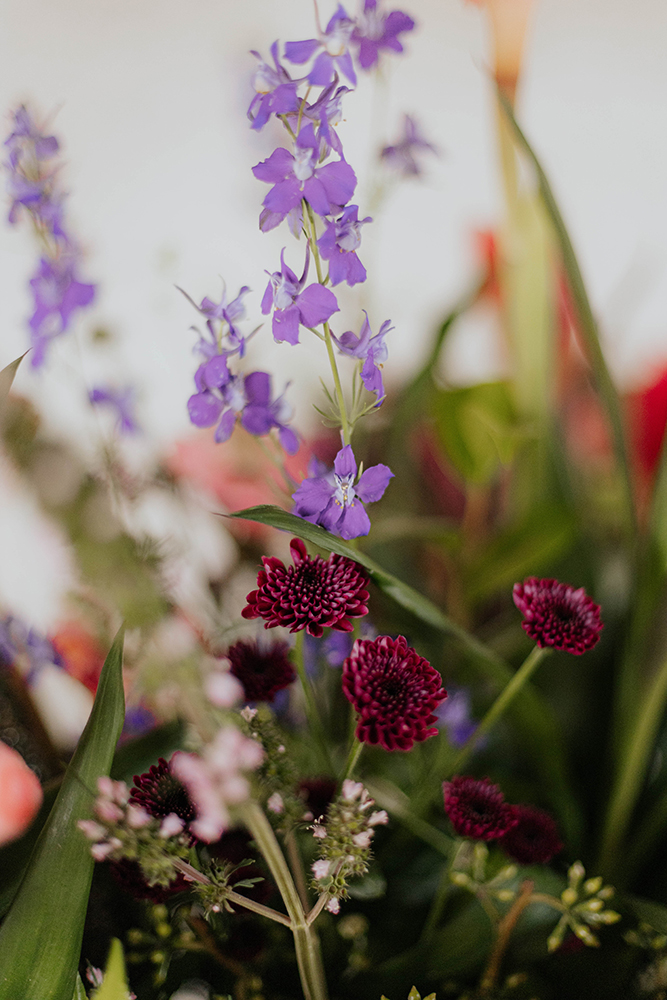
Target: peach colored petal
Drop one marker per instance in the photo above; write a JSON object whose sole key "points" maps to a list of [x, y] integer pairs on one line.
{"points": [[20, 794]]}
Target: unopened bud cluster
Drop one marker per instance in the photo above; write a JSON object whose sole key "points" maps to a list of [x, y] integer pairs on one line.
{"points": [[585, 902], [276, 774], [123, 829], [344, 841], [469, 872]]}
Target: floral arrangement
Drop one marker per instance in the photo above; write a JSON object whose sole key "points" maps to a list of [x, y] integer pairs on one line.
{"points": [[356, 783]]}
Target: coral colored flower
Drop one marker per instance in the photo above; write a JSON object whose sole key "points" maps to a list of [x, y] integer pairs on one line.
{"points": [[20, 794], [263, 672], [161, 793], [477, 809], [313, 594], [534, 839], [558, 616], [393, 690]]}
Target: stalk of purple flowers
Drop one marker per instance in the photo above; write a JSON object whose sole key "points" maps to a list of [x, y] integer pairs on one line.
{"points": [[57, 292]]}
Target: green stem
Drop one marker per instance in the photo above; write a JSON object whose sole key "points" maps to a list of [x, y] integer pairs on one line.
{"points": [[306, 942], [353, 757], [504, 932], [440, 898], [314, 721], [627, 787], [390, 797], [502, 702]]}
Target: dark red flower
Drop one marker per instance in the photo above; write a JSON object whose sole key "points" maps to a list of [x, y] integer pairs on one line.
{"points": [[161, 793], [394, 691], [263, 672], [477, 809], [534, 839], [313, 593], [557, 615]]}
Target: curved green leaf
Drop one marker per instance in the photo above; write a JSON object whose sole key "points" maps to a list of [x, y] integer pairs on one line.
{"points": [[40, 941], [6, 378], [114, 985]]}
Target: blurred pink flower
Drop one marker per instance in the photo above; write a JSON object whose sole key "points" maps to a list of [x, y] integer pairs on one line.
{"points": [[20, 794]]}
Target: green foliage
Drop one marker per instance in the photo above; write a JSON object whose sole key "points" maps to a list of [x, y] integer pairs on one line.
{"points": [[114, 985], [6, 379], [40, 940]]}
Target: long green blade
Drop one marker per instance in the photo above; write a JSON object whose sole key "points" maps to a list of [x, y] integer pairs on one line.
{"points": [[40, 941], [587, 325], [6, 378]]}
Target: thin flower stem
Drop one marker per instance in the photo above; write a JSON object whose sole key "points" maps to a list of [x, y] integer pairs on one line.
{"points": [[295, 863], [502, 702], [312, 713], [353, 758], [306, 943], [443, 890], [264, 911], [317, 909], [505, 928]]}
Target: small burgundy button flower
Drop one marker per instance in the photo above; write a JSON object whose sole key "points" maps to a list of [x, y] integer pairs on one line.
{"points": [[534, 839], [394, 691], [477, 808], [313, 594], [160, 792], [262, 672], [558, 616]]}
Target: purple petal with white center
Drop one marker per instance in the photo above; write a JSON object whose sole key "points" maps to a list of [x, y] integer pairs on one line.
{"points": [[204, 409], [223, 431], [373, 483], [316, 304], [300, 52], [345, 465], [286, 324]]}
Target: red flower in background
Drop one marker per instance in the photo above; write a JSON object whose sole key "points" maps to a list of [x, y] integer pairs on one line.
{"points": [[82, 655], [647, 416], [477, 808]]}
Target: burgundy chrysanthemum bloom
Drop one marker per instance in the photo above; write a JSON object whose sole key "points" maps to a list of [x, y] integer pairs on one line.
{"points": [[477, 808], [558, 616], [161, 793], [263, 672], [534, 839], [394, 690], [313, 593]]}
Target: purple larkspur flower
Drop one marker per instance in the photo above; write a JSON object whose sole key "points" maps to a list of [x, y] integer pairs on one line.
{"points": [[295, 176], [402, 155], [227, 314], [454, 717], [334, 43], [293, 304], [326, 112], [339, 244], [18, 640], [57, 294], [261, 414], [275, 90], [334, 501], [376, 30], [29, 183], [122, 400], [369, 349]]}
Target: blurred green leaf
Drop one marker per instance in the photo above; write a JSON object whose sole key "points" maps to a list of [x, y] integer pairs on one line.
{"points": [[6, 378], [14, 857], [40, 940], [114, 985], [478, 428], [79, 990], [652, 913], [587, 326], [137, 755]]}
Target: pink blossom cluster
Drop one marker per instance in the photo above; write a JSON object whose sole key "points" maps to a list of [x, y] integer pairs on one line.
{"points": [[214, 780]]}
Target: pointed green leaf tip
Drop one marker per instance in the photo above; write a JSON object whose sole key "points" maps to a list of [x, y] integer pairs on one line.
{"points": [[414, 994], [40, 941], [114, 985], [6, 378]]}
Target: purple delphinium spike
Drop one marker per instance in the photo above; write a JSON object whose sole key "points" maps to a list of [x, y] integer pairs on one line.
{"points": [[57, 291], [293, 304], [372, 350], [275, 91], [376, 30], [325, 113], [338, 505], [335, 54], [402, 156], [260, 414], [326, 189], [228, 314], [339, 243], [18, 640], [123, 401]]}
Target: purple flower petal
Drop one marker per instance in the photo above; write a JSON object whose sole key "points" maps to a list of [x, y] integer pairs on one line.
{"points": [[286, 324], [215, 372], [315, 193], [373, 483], [346, 267], [353, 522], [267, 299], [300, 52], [288, 440], [223, 431], [339, 181], [345, 465], [276, 167], [204, 409], [371, 376], [283, 197], [311, 497], [258, 388], [323, 70], [346, 66], [316, 304]]}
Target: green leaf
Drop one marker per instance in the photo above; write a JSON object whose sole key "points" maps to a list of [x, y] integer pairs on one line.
{"points": [[79, 990], [401, 592], [114, 985], [40, 940], [6, 378], [587, 326]]}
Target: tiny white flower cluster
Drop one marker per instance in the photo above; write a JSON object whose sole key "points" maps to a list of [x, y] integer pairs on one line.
{"points": [[214, 781], [344, 841], [123, 829]]}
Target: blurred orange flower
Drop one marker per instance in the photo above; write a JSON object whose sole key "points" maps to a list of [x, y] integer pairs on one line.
{"points": [[20, 794]]}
